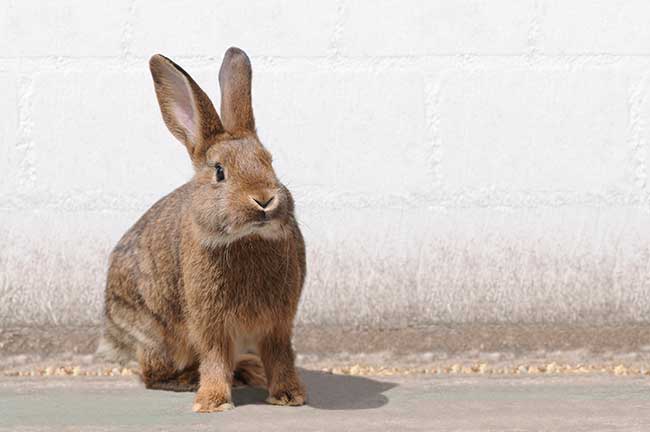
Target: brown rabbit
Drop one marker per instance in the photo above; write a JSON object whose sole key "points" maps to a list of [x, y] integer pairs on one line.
{"points": [[213, 272]]}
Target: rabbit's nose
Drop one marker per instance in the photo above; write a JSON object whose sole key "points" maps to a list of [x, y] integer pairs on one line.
{"points": [[263, 204]]}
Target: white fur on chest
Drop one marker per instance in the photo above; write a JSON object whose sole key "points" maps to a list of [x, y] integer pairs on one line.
{"points": [[246, 342]]}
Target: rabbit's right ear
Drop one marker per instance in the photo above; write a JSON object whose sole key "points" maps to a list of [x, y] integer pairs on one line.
{"points": [[186, 109]]}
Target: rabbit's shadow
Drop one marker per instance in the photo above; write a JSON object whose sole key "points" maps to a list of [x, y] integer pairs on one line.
{"points": [[328, 391]]}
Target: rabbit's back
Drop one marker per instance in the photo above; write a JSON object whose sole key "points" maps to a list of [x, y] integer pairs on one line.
{"points": [[143, 297]]}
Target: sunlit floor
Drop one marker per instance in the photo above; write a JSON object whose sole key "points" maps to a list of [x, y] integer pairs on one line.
{"points": [[338, 402]]}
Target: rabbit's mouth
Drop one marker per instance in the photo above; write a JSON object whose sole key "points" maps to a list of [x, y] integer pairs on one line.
{"points": [[265, 228], [270, 229]]}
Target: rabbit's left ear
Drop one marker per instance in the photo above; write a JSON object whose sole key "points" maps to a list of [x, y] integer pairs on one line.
{"points": [[235, 78]]}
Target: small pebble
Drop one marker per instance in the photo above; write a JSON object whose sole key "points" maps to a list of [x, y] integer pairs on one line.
{"points": [[533, 370], [552, 368]]}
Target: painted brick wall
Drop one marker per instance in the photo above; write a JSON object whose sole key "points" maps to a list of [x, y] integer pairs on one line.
{"points": [[468, 160]]}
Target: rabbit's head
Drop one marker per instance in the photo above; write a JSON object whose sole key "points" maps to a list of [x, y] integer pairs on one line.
{"points": [[235, 190]]}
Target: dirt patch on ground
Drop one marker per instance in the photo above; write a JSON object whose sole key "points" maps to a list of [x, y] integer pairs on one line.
{"points": [[444, 338]]}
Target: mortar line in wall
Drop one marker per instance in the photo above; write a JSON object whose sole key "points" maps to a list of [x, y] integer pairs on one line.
{"points": [[534, 30], [432, 128], [637, 138], [24, 143], [341, 64], [337, 34], [127, 32]]}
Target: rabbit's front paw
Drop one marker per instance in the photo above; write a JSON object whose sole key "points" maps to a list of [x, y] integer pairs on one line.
{"points": [[207, 402], [291, 396]]}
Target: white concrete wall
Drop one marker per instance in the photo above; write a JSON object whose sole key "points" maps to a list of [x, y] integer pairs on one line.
{"points": [[452, 160]]}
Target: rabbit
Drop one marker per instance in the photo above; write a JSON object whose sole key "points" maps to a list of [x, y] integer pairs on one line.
{"points": [[202, 291]]}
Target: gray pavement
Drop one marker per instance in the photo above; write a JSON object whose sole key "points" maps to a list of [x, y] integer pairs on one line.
{"points": [[339, 403]]}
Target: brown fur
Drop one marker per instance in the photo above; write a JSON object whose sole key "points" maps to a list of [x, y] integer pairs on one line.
{"points": [[207, 276]]}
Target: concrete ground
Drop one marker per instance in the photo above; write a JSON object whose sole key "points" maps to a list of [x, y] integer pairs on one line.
{"points": [[339, 403]]}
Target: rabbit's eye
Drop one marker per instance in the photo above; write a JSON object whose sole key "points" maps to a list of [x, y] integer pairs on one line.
{"points": [[221, 175]]}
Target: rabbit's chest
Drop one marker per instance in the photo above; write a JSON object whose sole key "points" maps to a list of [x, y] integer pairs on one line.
{"points": [[250, 285], [252, 300], [256, 290]]}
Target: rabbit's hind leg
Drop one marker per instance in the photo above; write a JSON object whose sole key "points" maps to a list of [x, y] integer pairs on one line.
{"points": [[170, 365], [158, 371], [128, 326], [186, 380], [132, 326]]}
